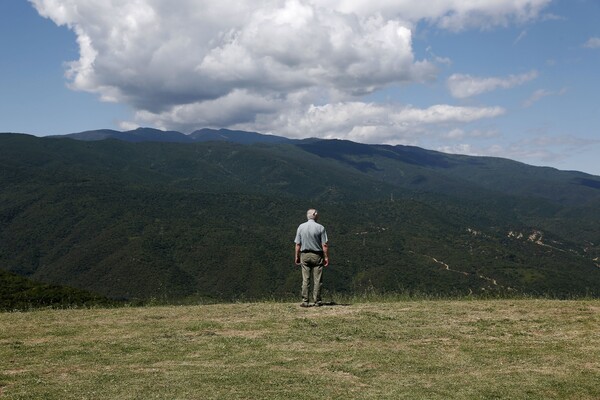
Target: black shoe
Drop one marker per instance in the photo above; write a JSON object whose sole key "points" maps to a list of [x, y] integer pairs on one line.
{"points": [[305, 304], [318, 304]]}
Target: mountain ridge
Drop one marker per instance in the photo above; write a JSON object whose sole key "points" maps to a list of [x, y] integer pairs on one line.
{"points": [[157, 135], [249, 137]]}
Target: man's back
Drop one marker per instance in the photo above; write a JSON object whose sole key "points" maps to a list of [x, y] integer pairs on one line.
{"points": [[311, 236]]}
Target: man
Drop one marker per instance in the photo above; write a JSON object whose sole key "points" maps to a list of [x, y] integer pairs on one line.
{"points": [[312, 254]]}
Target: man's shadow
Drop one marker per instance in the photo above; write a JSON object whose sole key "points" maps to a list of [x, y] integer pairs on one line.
{"points": [[334, 304]]}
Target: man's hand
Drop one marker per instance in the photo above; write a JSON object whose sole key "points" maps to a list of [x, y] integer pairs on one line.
{"points": [[326, 263], [297, 249]]}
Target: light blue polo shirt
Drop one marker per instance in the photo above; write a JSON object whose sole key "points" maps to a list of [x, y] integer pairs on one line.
{"points": [[311, 236]]}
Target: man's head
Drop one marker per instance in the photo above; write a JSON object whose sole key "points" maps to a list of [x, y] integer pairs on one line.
{"points": [[312, 214]]}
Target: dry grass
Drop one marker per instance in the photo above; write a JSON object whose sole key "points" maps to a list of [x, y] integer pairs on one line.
{"points": [[496, 349]]}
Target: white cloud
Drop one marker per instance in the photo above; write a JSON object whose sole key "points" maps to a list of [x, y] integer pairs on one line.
{"points": [[460, 134], [437, 59], [536, 96], [463, 148], [265, 63], [540, 94], [537, 150], [593, 43], [371, 122], [463, 86], [521, 36]]}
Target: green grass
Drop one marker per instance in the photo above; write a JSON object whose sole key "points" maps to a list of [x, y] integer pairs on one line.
{"points": [[412, 349]]}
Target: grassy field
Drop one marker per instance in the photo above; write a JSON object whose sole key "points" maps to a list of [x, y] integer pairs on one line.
{"points": [[484, 349]]}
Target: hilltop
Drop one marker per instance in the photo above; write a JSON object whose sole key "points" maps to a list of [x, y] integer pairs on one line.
{"points": [[517, 349]]}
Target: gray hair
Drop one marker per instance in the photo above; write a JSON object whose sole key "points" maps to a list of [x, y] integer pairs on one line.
{"points": [[311, 214]]}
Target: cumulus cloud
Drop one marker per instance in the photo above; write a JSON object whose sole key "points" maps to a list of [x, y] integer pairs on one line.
{"points": [[463, 86], [265, 64]]}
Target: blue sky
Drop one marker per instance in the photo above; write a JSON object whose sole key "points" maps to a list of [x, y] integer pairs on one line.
{"points": [[514, 79]]}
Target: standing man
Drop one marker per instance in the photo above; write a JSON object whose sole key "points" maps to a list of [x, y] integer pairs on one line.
{"points": [[312, 254]]}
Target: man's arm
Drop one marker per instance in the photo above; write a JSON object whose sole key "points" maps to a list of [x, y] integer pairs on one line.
{"points": [[297, 254], [326, 254]]}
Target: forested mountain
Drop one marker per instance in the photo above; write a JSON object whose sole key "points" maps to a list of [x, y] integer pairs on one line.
{"points": [[178, 216]]}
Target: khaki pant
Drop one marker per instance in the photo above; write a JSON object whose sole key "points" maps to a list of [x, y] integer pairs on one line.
{"points": [[312, 267]]}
